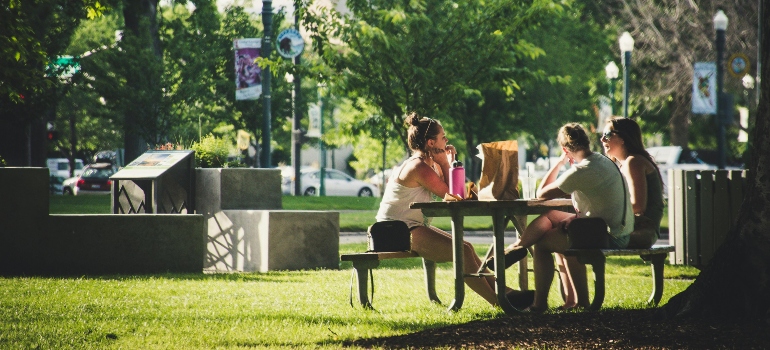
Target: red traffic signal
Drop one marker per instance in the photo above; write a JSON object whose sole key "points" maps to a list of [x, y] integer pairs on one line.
{"points": [[52, 135]]}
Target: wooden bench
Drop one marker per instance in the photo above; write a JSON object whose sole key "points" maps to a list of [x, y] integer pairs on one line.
{"points": [[363, 263], [598, 257]]}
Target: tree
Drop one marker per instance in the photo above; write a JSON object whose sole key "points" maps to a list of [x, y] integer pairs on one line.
{"points": [[736, 283], [670, 36], [575, 52], [32, 33], [424, 56]]}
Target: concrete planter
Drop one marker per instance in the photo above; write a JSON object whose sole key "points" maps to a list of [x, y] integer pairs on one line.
{"points": [[248, 231]]}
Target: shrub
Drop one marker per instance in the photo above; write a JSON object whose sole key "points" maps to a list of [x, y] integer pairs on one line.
{"points": [[211, 152]]}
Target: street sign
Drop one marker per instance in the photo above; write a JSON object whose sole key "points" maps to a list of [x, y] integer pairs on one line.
{"points": [[64, 66], [290, 43]]}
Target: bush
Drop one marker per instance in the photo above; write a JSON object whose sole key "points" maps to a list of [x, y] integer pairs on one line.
{"points": [[211, 152]]}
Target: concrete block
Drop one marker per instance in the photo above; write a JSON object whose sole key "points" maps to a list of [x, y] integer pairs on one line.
{"points": [[237, 188], [121, 244], [24, 191], [269, 240], [23, 213]]}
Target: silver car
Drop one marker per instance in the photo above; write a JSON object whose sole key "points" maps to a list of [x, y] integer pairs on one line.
{"points": [[336, 183]]}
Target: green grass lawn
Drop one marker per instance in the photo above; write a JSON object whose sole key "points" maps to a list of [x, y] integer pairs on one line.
{"points": [[282, 309], [290, 309]]}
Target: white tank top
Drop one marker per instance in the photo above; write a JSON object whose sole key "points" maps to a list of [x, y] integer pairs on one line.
{"points": [[395, 203]]}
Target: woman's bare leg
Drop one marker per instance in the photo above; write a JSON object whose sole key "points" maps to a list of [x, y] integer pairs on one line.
{"points": [[434, 244], [552, 241], [579, 279], [538, 227], [567, 287]]}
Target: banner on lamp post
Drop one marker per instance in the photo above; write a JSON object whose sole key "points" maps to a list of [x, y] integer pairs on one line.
{"points": [[314, 117], [704, 88], [248, 82]]}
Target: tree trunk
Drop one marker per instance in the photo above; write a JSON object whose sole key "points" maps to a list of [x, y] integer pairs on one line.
{"points": [[141, 19], [680, 121], [736, 284]]}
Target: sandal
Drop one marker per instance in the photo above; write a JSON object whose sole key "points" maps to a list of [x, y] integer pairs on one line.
{"points": [[512, 256]]}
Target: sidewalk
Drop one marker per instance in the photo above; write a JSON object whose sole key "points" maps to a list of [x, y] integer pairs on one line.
{"points": [[475, 237]]}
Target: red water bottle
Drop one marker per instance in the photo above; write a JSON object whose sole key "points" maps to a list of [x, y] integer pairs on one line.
{"points": [[457, 179]]}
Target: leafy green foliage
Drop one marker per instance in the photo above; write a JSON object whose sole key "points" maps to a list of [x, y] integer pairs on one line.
{"points": [[211, 152], [575, 53], [424, 56]]}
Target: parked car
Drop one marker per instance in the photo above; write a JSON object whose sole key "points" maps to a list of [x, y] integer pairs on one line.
{"points": [[61, 167], [674, 157], [336, 183], [55, 184], [94, 180], [287, 178], [376, 179]]}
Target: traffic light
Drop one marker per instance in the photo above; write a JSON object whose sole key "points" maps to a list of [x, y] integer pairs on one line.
{"points": [[52, 135]]}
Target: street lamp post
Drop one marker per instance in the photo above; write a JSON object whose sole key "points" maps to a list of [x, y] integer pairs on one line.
{"points": [[626, 46], [296, 136], [267, 45], [720, 24], [612, 71], [321, 144]]}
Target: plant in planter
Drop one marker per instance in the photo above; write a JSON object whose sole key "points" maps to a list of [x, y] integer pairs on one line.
{"points": [[212, 152]]}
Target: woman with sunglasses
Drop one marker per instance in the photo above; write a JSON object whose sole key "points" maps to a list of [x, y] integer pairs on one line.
{"points": [[622, 142], [597, 190], [426, 172]]}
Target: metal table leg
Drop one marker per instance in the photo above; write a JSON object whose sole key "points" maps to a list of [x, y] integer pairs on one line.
{"points": [[457, 253], [520, 223], [499, 222]]}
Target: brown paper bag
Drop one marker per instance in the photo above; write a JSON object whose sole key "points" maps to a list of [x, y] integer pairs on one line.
{"points": [[499, 171]]}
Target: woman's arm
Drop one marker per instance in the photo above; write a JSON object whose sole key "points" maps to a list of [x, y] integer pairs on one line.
{"points": [[425, 176], [635, 172], [548, 189]]}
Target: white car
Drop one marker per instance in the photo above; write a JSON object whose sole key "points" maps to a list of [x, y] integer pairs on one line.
{"points": [[336, 183], [670, 157], [61, 167], [94, 180], [376, 179]]}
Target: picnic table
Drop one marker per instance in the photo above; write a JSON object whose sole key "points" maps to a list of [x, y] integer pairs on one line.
{"points": [[501, 211]]}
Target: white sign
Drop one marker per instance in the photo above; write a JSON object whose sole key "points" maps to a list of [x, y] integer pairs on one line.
{"points": [[743, 136], [290, 43], [704, 88], [314, 116]]}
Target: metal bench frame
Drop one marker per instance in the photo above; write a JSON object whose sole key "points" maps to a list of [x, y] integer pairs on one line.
{"points": [[597, 258], [363, 263]]}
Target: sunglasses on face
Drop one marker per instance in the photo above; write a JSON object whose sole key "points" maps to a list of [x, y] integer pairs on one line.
{"points": [[608, 135]]}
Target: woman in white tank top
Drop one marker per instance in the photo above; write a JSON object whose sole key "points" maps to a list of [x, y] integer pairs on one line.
{"points": [[414, 181]]}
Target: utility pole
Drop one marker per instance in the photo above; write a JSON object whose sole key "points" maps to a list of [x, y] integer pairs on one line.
{"points": [[267, 45]]}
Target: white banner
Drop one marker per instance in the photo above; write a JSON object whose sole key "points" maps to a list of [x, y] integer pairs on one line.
{"points": [[248, 82], [742, 135], [314, 117], [704, 88]]}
